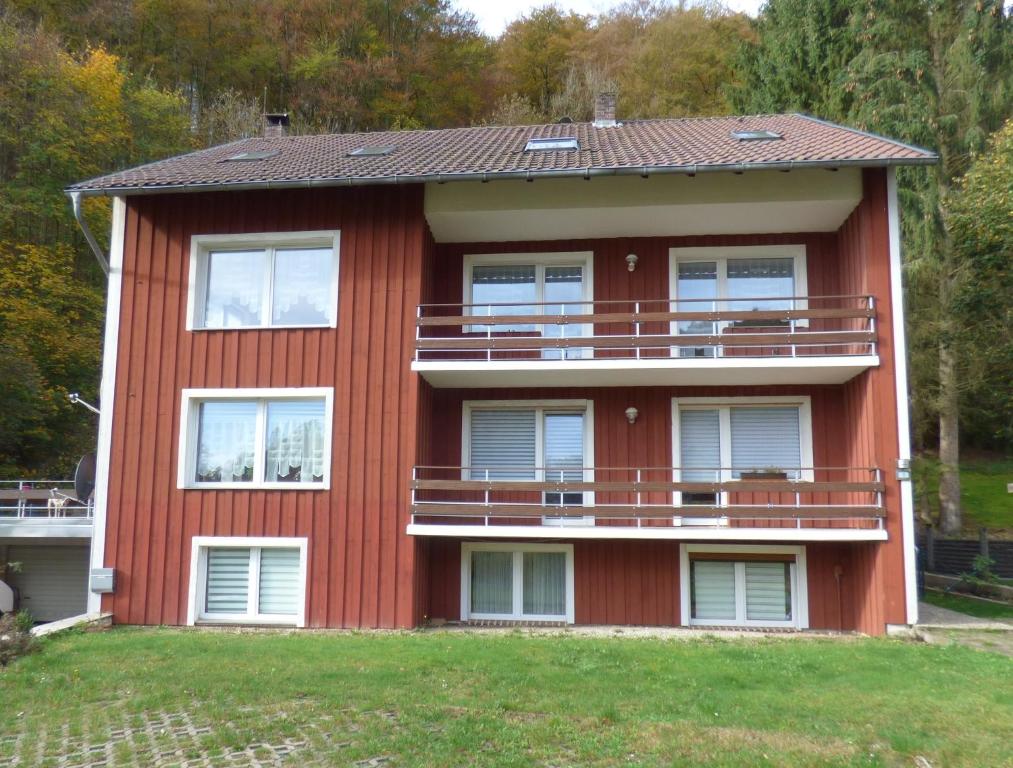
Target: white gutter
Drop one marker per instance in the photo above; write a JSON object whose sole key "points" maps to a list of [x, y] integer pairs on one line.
{"points": [[486, 176], [107, 394], [907, 502], [75, 202]]}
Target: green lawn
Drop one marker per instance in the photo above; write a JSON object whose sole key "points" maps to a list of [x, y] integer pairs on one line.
{"points": [[984, 499], [985, 609], [457, 699]]}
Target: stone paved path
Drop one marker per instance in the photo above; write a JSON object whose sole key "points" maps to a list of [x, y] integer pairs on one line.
{"points": [[934, 616]]}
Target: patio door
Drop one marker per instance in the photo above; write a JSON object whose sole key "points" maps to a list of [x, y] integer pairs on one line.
{"points": [[541, 444], [531, 284]]}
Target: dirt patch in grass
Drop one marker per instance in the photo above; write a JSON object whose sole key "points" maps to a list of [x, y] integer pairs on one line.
{"points": [[994, 640]]}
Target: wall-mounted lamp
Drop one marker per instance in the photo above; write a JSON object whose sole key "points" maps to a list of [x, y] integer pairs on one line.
{"points": [[631, 414], [631, 262]]}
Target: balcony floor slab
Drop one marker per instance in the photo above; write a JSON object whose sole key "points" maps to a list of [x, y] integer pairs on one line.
{"points": [[618, 372], [45, 528], [647, 533]]}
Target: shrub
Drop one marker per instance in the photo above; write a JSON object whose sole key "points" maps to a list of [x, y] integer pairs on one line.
{"points": [[16, 637], [980, 577]]}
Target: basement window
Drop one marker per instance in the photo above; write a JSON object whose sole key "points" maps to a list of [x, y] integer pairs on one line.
{"points": [[378, 151], [249, 156], [760, 135], [552, 144], [256, 580]]}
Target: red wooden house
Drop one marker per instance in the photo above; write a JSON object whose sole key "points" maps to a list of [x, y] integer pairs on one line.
{"points": [[645, 373]]}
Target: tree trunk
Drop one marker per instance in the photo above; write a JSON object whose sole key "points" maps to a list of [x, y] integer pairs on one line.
{"points": [[949, 443]]}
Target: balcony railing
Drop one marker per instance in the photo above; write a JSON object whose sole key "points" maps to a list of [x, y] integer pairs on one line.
{"points": [[828, 497], [38, 501], [798, 326]]}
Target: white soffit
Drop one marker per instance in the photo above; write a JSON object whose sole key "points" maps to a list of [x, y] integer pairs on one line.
{"points": [[812, 200], [643, 373]]}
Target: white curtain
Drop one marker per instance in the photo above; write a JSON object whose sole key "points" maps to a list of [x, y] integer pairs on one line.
{"points": [[504, 284], [279, 581], [226, 441], [492, 582], [235, 289], [544, 583], [302, 286], [755, 279], [228, 580], [295, 441]]}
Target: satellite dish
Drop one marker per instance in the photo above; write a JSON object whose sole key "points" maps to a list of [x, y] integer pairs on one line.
{"points": [[84, 477]]}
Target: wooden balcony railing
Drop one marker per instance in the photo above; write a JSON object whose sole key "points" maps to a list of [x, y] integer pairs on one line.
{"points": [[793, 326], [821, 497]]}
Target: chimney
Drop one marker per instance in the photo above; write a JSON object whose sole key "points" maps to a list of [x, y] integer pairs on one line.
{"points": [[275, 124], [605, 110]]}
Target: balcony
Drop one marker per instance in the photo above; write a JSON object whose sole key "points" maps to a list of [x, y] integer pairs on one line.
{"points": [[825, 504], [43, 509], [804, 340]]}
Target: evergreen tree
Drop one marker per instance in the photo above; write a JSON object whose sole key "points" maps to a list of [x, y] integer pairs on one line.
{"points": [[935, 73]]}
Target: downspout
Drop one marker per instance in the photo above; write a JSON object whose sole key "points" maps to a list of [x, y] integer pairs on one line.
{"points": [[75, 202]]}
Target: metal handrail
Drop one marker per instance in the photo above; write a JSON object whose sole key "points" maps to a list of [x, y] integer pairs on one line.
{"points": [[41, 499], [800, 329], [864, 296], [464, 495]]}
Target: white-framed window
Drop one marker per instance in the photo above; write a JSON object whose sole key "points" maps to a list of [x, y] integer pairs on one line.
{"points": [[264, 280], [256, 438], [247, 580], [531, 582], [734, 278], [554, 283], [724, 439], [540, 441], [751, 585]]}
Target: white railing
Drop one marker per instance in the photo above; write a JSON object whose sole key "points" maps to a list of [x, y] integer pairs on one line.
{"points": [[41, 499], [792, 326]]}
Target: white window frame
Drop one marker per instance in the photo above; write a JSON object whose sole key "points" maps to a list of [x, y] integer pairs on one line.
{"points": [[540, 407], [723, 406], [799, 584], [202, 245], [199, 546], [721, 255], [518, 550], [189, 432], [540, 261]]}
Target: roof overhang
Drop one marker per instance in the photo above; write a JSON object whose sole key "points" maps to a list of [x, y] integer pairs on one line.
{"points": [[805, 200], [486, 176]]}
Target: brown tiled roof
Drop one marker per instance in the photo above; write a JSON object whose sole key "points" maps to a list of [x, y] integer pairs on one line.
{"points": [[651, 146]]}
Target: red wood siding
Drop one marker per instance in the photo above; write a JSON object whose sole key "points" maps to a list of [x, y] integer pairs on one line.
{"points": [[364, 570], [612, 279], [853, 424], [869, 426], [361, 562], [637, 582]]}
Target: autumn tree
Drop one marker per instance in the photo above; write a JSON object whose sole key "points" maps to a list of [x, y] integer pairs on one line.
{"points": [[67, 117], [536, 52]]}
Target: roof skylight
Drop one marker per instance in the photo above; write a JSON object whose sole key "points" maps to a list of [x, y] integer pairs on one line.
{"points": [[755, 135], [248, 156], [560, 143], [377, 151]]}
